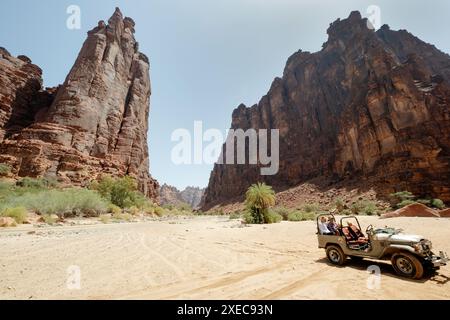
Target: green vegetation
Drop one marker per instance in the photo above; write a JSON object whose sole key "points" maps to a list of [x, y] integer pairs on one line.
{"points": [[121, 192], [364, 207], [49, 218], [405, 198], [438, 203], [259, 198], [340, 205], [301, 216], [235, 216], [4, 170], [19, 214], [307, 213]]}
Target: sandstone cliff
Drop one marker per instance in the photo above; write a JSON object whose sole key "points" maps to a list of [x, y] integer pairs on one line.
{"points": [[95, 123], [371, 107]]}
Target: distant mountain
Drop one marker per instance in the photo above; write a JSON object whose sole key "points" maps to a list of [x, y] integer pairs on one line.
{"points": [[170, 195]]}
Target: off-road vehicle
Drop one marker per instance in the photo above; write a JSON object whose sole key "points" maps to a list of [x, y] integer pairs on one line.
{"points": [[410, 255]]}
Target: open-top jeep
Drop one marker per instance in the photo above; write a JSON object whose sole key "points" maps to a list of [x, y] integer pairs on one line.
{"points": [[410, 255]]}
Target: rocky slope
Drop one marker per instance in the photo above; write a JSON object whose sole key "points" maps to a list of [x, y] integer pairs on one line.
{"points": [[370, 107], [95, 123], [170, 195]]}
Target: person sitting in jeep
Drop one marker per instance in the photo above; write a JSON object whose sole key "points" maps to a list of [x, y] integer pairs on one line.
{"points": [[333, 226], [323, 227]]}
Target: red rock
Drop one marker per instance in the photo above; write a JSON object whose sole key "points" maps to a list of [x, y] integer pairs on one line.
{"points": [[445, 213], [96, 123], [366, 109], [413, 210]]}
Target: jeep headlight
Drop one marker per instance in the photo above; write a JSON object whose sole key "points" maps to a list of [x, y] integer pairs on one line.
{"points": [[418, 247]]}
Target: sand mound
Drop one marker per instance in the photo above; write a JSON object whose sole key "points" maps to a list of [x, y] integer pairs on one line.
{"points": [[413, 210], [445, 213]]}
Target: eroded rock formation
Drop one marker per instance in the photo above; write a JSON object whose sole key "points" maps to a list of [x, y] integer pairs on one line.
{"points": [[95, 123], [370, 106]]}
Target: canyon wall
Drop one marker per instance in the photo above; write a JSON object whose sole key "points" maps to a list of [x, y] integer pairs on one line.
{"points": [[371, 107]]}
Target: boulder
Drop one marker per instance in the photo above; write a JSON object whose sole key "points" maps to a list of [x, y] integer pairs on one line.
{"points": [[413, 210]]}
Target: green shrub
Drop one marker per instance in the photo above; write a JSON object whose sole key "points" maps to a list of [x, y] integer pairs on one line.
{"points": [[113, 209], [438, 203], [134, 211], [19, 214], [405, 203], [425, 202], [296, 216], [340, 205], [272, 217], [399, 197], [37, 183], [105, 218], [311, 208], [259, 198], [49, 219], [123, 217], [4, 169], [235, 216], [159, 211], [284, 212], [121, 192], [67, 202]]}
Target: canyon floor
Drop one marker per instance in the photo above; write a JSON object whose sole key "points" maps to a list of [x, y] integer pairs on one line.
{"points": [[200, 258]]}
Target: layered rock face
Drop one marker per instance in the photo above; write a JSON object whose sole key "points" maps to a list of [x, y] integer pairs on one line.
{"points": [[95, 123], [170, 195], [370, 106]]}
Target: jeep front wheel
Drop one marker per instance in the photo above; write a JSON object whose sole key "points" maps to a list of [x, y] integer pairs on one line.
{"points": [[407, 265], [335, 255]]}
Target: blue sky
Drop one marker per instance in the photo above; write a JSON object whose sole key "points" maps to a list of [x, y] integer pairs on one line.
{"points": [[206, 56]]}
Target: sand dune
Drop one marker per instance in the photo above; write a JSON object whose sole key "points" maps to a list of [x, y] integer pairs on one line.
{"points": [[201, 258]]}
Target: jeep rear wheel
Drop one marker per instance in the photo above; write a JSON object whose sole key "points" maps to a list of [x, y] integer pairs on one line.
{"points": [[407, 265], [335, 255]]}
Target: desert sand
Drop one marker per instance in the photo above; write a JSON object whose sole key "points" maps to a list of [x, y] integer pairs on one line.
{"points": [[201, 258]]}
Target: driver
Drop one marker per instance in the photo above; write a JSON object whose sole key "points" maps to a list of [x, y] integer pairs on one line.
{"points": [[333, 226], [323, 227]]}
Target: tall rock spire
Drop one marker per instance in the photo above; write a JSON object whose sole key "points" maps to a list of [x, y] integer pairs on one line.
{"points": [[100, 113]]}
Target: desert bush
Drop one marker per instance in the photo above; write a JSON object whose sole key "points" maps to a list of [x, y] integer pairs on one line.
{"points": [[105, 218], [121, 192], [272, 217], [19, 214], [37, 183], [311, 208], [49, 219], [399, 197], [66, 202], [113, 209], [259, 198], [4, 169], [159, 211], [404, 203], [284, 212], [340, 205], [296, 216], [437, 203], [123, 217], [134, 211], [235, 216]]}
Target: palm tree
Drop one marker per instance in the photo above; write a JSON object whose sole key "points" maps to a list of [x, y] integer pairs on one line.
{"points": [[259, 198]]}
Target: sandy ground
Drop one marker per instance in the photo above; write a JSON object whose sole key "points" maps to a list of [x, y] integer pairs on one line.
{"points": [[201, 258]]}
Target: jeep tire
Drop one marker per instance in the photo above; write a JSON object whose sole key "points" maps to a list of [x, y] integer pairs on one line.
{"points": [[407, 265], [335, 255]]}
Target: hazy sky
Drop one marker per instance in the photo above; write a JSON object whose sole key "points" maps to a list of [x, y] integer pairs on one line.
{"points": [[207, 56]]}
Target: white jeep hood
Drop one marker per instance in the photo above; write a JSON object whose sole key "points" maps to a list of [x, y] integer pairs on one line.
{"points": [[400, 237]]}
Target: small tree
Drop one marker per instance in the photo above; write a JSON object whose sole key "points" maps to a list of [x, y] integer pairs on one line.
{"points": [[259, 198]]}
